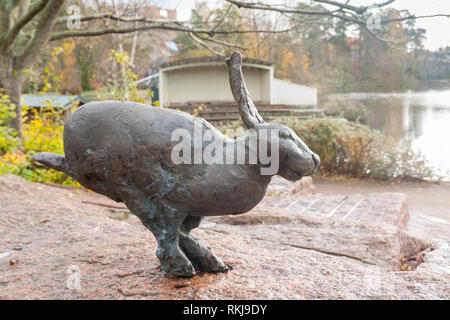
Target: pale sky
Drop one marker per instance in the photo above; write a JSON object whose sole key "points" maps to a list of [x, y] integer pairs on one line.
{"points": [[438, 29]]}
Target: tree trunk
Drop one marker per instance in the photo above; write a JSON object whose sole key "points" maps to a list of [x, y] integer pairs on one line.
{"points": [[12, 81], [13, 86]]}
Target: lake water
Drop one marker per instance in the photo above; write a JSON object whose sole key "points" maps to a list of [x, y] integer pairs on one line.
{"points": [[421, 117]]}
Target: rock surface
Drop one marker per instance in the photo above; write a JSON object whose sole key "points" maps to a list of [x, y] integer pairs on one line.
{"points": [[51, 235], [284, 188]]}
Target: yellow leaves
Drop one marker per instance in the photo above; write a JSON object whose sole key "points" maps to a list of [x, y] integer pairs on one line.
{"points": [[405, 268], [68, 58], [288, 59], [120, 58], [4, 99], [56, 52], [6, 108], [122, 85], [396, 31], [42, 131], [196, 112], [272, 193], [48, 77], [68, 46], [15, 158], [24, 111], [305, 63], [290, 62]]}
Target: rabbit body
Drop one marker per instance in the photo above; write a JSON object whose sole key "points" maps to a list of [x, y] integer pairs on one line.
{"points": [[121, 149]]}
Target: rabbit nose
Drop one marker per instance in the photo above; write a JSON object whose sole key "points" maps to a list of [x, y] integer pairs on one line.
{"points": [[316, 160]]}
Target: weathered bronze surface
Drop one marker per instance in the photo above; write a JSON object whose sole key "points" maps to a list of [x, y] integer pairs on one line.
{"points": [[123, 150]]}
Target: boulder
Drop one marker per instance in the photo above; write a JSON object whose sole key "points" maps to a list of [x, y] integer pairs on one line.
{"points": [[62, 243]]}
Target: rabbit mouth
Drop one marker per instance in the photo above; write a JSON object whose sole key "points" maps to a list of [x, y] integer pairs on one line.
{"points": [[291, 175]]}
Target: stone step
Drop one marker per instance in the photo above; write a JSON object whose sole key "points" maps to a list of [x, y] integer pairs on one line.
{"points": [[233, 106], [370, 228], [274, 112], [225, 112], [232, 118], [388, 208]]}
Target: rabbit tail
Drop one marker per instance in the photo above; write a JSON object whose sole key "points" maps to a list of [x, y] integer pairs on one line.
{"points": [[52, 160]]}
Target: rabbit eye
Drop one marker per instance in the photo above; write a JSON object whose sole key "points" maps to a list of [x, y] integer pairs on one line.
{"points": [[284, 134]]}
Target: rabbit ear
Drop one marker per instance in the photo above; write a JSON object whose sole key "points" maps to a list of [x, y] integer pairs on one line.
{"points": [[247, 109]]}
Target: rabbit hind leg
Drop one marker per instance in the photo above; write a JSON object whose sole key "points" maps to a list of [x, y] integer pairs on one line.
{"points": [[197, 250]]}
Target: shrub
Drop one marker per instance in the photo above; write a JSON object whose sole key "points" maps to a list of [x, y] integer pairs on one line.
{"points": [[43, 132], [351, 110], [8, 139], [353, 149], [345, 148]]}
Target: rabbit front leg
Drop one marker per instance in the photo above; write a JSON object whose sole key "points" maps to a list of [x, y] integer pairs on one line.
{"points": [[197, 250], [173, 260], [164, 222]]}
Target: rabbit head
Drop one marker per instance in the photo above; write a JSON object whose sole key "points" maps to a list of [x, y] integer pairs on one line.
{"points": [[296, 160]]}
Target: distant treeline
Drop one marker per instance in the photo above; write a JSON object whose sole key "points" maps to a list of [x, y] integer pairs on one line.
{"points": [[335, 56]]}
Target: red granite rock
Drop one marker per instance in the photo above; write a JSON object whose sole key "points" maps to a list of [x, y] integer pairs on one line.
{"points": [[371, 243], [282, 187], [50, 235]]}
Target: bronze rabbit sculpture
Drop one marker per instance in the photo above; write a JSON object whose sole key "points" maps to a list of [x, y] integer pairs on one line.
{"points": [[123, 151]]}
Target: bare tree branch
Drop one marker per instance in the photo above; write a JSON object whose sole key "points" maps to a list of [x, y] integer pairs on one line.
{"points": [[193, 37], [111, 16], [222, 43], [14, 31], [358, 10], [380, 5], [155, 26], [261, 6], [389, 43], [222, 19], [414, 17], [345, 12]]}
